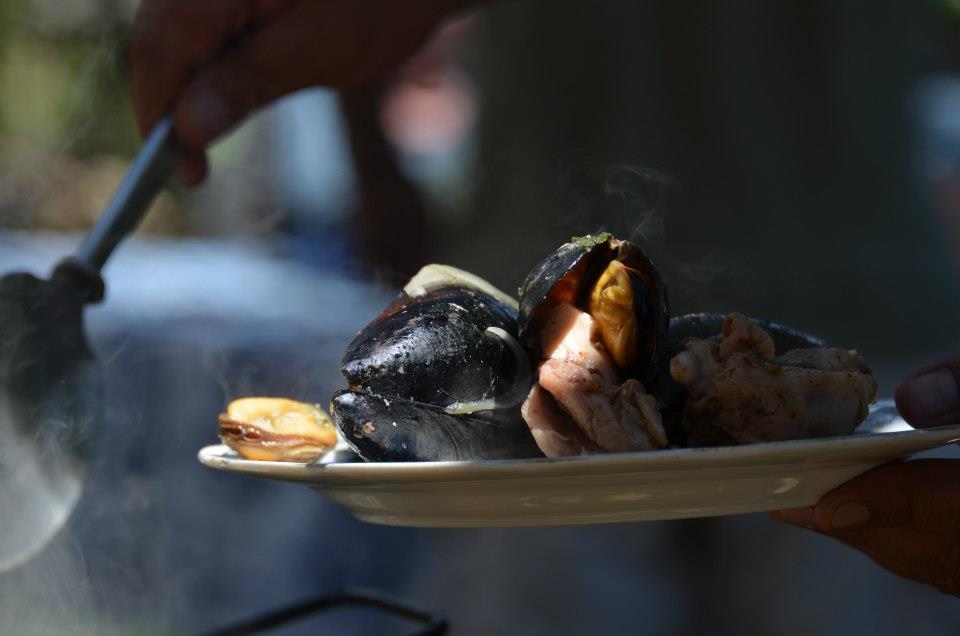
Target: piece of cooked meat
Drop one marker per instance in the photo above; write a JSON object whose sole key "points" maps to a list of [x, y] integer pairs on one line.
{"points": [[739, 386], [555, 432], [740, 335], [584, 392], [569, 336]]}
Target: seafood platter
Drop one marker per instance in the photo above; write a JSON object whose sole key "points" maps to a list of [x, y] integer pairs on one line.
{"points": [[582, 400]]}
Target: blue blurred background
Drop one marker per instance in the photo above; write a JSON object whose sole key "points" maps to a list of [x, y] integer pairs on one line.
{"points": [[797, 161]]}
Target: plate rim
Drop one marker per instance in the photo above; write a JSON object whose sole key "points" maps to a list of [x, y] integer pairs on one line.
{"points": [[767, 453]]}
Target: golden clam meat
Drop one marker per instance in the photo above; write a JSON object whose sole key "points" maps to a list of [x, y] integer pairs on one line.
{"points": [[277, 429]]}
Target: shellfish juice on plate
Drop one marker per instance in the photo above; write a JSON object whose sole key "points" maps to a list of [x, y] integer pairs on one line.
{"points": [[587, 360]]}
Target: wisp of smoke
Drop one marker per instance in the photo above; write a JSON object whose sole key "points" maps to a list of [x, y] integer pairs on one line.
{"points": [[625, 199], [705, 270], [639, 196]]}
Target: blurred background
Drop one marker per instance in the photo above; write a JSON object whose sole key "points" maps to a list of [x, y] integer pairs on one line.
{"points": [[795, 161]]}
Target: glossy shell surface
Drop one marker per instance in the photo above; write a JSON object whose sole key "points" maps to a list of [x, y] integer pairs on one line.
{"points": [[449, 347], [380, 429], [434, 349]]}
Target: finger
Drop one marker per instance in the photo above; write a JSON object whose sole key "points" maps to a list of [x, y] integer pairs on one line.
{"points": [[923, 494], [337, 44], [172, 37], [191, 169], [922, 556], [801, 517], [931, 396]]}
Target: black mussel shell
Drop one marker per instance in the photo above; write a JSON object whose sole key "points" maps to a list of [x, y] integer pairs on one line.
{"points": [[569, 274], [705, 326], [435, 349], [379, 429]]}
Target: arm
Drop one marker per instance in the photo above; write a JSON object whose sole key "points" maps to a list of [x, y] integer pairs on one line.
{"points": [[213, 62]]}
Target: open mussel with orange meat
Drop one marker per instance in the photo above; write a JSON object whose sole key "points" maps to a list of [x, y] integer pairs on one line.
{"points": [[594, 317], [438, 375]]}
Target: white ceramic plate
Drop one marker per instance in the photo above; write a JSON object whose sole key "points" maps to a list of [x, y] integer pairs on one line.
{"points": [[669, 484]]}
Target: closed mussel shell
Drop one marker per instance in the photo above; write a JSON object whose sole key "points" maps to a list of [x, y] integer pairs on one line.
{"points": [[436, 349], [705, 325], [438, 375], [380, 429]]}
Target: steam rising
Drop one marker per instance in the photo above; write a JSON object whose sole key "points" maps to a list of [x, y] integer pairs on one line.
{"points": [[625, 199], [41, 485], [641, 196], [704, 270]]}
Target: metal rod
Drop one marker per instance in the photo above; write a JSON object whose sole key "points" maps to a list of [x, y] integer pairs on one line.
{"points": [[149, 171], [433, 624]]}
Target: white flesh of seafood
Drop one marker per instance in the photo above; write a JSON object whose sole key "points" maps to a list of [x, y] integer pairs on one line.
{"points": [[580, 376]]}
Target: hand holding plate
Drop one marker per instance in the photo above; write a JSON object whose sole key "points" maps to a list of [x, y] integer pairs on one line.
{"points": [[905, 516]]}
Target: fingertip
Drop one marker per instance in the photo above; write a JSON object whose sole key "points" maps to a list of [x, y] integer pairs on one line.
{"points": [[826, 509], [144, 116], [849, 515], [191, 170], [800, 517], [202, 115], [905, 406], [930, 398]]}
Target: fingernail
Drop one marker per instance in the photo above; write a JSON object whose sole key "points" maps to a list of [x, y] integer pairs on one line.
{"points": [[849, 514], [797, 516], [210, 112], [934, 394]]}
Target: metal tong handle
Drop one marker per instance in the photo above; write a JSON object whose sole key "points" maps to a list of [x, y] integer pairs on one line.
{"points": [[147, 174]]}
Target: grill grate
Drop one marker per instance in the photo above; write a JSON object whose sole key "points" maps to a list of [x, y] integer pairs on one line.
{"points": [[431, 624]]}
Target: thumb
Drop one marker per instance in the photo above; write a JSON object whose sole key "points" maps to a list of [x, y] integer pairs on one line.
{"points": [[931, 396]]}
